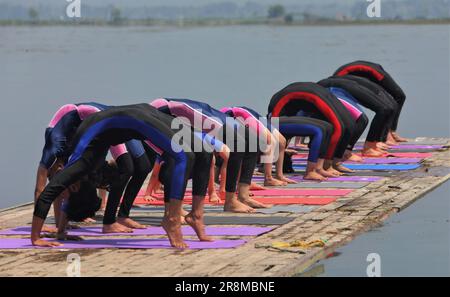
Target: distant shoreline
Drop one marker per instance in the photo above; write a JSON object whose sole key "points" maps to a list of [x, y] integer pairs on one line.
{"points": [[216, 22]]}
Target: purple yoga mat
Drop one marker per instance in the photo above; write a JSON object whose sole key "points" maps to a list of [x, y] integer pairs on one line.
{"points": [[122, 243], [410, 147], [332, 179], [374, 161], [187, 230]]}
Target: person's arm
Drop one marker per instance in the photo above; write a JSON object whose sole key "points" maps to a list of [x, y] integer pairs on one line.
{"points": [[102, 194], [36, 228], [63, 225], [154, 180], [41, 181], [224, 153], [211, 184], [41, 209], [223, 169]]}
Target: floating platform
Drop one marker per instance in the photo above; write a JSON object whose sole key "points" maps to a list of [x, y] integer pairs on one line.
{"points": [[253, 250]]}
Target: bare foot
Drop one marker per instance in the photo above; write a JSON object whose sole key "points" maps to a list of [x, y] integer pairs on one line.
{"points": [[254, 204], [184, 212], [272, 182], [116, 228], [372, 153], [127, 222], [196, 222], [49, 229], [328, 173], [354, 158], [237, 206], [342, 168], [255, 186], [149, 198], [313, 175], [285, 179], [391, 142], [173, 230], [333, 171], [382, 146], [214, 198], [398, 138]]}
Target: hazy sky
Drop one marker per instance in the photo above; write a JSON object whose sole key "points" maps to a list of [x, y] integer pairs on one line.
{"points": [[125, 3]]}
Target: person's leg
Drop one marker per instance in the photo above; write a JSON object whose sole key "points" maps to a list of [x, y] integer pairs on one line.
{"points": [[269, 157], [360, 126], [399, 96], [282, 143], [200, 180], [174, 174], [212, 194], [142, 167], [165, 178], [348, 126], [125, 167], [324, 165], [317, 130], [377, 131], [232, 203], [247, 169]]}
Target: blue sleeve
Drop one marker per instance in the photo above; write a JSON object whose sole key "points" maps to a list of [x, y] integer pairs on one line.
{"points": [[58, 137], [48, 155], [210, 140]]}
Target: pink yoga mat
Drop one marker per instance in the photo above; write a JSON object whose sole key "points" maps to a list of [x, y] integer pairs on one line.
{"points": [[299, 178], [302, 192], [297, 200], [187, 230], [410, 147], [305, 200], [122, 243], [398, 155], [374, 161]]}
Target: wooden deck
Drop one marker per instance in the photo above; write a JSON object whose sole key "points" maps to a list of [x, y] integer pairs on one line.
{"points": [[338, 223]]}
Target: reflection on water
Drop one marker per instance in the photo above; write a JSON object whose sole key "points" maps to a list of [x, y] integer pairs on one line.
{"points": [[415, 242], [45, 67]]}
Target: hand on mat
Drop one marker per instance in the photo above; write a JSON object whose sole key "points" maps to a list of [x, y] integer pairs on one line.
{"points": [[45, 243]]}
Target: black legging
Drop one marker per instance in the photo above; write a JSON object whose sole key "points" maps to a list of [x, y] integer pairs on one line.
{"points": [[384, 111], [240, 163], [199, 174], [319, 135], [319, 102], [377, 74], [360, 125], [141, 167], [383, 96]]}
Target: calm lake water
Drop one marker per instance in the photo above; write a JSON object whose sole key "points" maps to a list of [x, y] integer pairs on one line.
{"points": [[46, 67], [415, 242]]}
